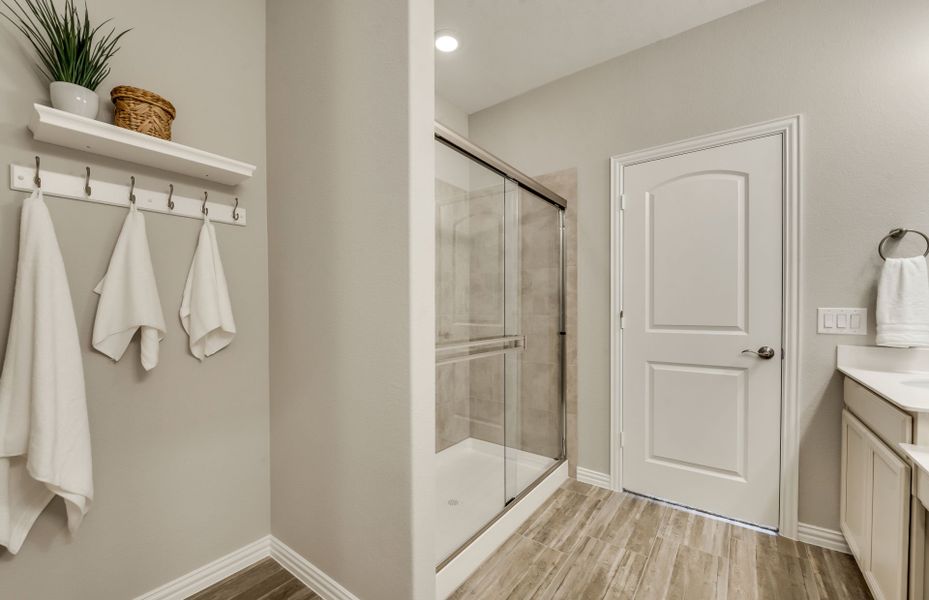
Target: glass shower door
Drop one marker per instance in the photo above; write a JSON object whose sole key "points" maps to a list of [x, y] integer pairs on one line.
{"points": [[534, 384], [498, 344], [472, 347]]}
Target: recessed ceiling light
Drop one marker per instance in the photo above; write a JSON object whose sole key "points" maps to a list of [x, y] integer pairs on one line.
{"points": [[445, 41]]}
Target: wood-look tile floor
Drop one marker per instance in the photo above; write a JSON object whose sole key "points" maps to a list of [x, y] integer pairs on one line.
{"points": [[265, 580], [589, 543]]}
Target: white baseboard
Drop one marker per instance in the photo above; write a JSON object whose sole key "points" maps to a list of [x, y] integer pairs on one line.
{"points": [[820, 536], [308, 573], [202, 578], [594, 478], [221, 568]]}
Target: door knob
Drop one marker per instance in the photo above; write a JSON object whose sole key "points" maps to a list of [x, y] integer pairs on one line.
{"points": [[765, 352]]}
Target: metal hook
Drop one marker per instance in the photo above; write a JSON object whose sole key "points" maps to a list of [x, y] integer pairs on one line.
{"points": [[37, 180], [170, 196], [235, 210], [132, 189], [203, 207], [87, 190]]}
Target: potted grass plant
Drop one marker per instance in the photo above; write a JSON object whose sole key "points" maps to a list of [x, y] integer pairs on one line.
{"points": [[73, 54]]}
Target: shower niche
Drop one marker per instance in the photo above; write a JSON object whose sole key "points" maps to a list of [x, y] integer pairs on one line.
{"points": [[499, 339]]}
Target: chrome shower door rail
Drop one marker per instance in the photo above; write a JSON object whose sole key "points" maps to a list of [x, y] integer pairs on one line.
{"points": [[478, 154]]}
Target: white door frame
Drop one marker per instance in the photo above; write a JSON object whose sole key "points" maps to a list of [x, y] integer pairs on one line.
{"points": [[789, 128]]}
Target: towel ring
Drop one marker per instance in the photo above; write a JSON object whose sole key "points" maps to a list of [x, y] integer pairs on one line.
{"points": [[37, 180], [170, 196], [235, 210], [203, 207], [132, 189], [87, 190], [897, 234]]}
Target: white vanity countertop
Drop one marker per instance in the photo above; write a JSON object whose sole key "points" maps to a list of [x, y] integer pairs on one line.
{"points": [[901, 375], [918, 455]]}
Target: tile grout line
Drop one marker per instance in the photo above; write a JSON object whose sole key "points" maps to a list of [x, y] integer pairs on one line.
{"points": [[582, 534], [648, 558], [566, 557]]}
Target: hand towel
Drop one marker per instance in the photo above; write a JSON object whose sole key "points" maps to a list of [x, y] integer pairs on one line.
{"points": [[44, 433], [903, 303], [129, 296], [206, 312]]}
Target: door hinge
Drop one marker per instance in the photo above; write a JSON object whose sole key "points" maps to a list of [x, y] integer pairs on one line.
{"points": [[783, 354], [621, 440], [622, 202], [622, 319]]}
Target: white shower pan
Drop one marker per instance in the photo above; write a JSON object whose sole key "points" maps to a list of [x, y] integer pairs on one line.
{"points": [[468, 488]]}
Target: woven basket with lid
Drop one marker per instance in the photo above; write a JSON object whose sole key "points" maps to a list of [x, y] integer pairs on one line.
{"points": [[142, 111]]}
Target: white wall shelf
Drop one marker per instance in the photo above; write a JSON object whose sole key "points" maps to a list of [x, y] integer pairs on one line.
{"points": [[72, 131]]}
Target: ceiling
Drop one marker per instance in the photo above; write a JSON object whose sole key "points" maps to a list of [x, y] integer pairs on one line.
{"points": [[508, 47]]}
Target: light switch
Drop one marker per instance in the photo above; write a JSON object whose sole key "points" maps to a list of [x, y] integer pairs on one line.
{"points": [[842, 321]]}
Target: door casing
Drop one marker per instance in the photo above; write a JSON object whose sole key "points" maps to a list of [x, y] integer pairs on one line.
{"points": [[789, 128]]}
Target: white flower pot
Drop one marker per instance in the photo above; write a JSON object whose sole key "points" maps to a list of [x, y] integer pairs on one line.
{"points": [[74, 98]]}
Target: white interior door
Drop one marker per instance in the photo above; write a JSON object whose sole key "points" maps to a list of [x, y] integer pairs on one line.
{"points": [[701, 295]]}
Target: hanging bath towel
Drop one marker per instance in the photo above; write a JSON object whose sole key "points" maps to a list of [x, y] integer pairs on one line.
{"points": [[206, 312], [129, 297], [903, 303], [44, 433]]}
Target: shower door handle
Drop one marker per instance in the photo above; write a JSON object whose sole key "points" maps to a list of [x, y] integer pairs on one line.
{"points": [[511, 343], [517, 340]]}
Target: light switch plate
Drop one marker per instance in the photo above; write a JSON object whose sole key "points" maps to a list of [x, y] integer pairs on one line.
{"points": [[842, 321]]}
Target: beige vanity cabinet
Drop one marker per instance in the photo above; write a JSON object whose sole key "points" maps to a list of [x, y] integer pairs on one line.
{"points": [[876, 502]]}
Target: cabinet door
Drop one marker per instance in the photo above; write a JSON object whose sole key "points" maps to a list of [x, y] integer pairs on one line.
{"points": [[855, 496], [890, 521], [875, 509]]}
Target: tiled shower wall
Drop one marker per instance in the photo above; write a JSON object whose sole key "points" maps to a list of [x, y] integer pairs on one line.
{"points": [[564, 183], [539, 400]]}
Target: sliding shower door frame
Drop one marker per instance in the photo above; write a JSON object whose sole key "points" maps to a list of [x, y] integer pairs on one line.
{"points": [[523, 181], [465, 146]]}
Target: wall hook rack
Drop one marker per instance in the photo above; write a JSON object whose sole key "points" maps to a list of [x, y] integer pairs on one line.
{"points": [[75, 187]]}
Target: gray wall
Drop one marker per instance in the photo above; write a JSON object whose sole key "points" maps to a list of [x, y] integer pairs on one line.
{"points": [[451, 116], [352, 246], [856, 70], [180, 454]]}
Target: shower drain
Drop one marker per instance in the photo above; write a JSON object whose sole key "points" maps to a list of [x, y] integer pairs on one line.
{"points": [[453, 502]]}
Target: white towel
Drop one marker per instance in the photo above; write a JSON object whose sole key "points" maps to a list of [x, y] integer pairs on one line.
{"points": [[44, 433], [903, 303], [206, 311], [129, 296]]}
